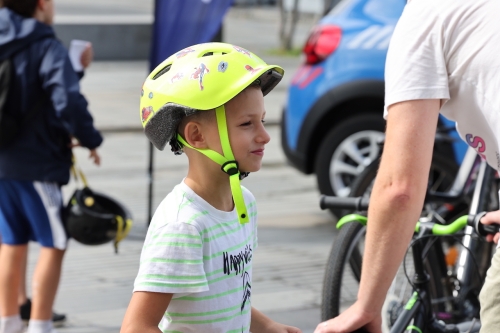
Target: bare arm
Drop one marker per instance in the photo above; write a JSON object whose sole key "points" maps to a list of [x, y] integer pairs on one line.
{"points": [[145, 312], [395, 206], [261, 323]]}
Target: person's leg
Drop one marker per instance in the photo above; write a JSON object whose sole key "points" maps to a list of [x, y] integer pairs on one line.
{"points": [[490, 297], [11, 258], [15, 236], [45, 218], [10, 278], [22, 296], [45, 282]]}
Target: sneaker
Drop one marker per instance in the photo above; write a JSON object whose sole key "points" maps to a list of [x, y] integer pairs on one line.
{"points": [[25, 311]]}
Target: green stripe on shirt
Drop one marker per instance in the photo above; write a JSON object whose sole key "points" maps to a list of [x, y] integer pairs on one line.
{"points": [[203, 298], [174, 261], [209, 321], [171, 277], [208, 313], [237, 246], [172, 285], [176, 244]]}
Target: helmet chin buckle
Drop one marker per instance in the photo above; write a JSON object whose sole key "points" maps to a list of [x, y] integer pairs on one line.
{"points": [[230, 167]]}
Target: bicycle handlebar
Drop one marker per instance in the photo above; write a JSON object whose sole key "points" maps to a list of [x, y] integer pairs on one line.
{"points": [[358, 204], [361, 204]]}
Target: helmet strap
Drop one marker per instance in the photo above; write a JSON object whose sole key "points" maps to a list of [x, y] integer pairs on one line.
{"points": [[227, 162], [122, 230]]}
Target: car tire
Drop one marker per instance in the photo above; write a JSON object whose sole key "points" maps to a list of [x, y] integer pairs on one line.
{"points": [[349, 130]]}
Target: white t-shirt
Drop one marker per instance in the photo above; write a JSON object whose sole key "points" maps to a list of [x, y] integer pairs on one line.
{"points": [[450, 50], [204, 257]]}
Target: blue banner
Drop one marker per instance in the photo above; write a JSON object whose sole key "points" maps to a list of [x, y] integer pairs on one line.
{"points": [[181, 23]]}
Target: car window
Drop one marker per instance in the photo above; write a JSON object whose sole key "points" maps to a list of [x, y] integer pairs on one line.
{"points": [[378, 10], [338, 6], [383, 10]]}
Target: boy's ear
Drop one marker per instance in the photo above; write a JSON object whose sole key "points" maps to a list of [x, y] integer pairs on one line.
{"points": [[40, 4], [193, 134]]}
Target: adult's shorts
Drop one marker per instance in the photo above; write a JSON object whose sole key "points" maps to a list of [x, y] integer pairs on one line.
{"points": [[32, 211]]}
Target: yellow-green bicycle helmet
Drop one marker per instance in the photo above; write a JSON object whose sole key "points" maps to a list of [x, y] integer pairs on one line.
{"points": [[197, 78]]}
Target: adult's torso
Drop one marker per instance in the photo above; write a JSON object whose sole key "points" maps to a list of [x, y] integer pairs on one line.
{"points": [[471, 48]]}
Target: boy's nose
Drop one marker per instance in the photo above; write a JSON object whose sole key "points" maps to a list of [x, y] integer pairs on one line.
{"points": [[263, 136]]}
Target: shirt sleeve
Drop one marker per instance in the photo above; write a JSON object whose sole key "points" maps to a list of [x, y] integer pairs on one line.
{"points": [[416, 66], [61, 83], [172, 261]]}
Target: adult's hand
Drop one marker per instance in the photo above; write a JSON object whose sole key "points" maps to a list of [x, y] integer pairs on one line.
{"points": [[352, 319], [492, 218], [87, 56], [95, 156]]}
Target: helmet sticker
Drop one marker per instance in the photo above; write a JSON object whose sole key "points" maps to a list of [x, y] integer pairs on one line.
{"points": [[176, 77], [184, 52], [146, 113], [251, 69], [151, 95], [199, 73], [242, 50], [222, 66]]}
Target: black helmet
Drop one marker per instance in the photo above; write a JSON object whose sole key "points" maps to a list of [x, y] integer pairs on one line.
{"points": [[93, 218]]}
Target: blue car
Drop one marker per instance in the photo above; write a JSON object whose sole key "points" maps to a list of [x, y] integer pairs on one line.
{"points": [[333, 117]]}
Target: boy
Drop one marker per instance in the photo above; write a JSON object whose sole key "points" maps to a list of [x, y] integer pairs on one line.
{"points": [[45, 98], [196, 264]]}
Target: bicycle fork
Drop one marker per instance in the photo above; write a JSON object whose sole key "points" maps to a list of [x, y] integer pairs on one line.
{"points": [[423, 317]]}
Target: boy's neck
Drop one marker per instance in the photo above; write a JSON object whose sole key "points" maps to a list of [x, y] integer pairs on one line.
{"points": [[213, 186]]}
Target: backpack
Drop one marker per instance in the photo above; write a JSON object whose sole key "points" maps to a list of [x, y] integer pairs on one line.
{"points": [[10, 126]]}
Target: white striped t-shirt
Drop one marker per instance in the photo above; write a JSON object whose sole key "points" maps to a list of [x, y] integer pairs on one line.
{"points": [[204, 257]]}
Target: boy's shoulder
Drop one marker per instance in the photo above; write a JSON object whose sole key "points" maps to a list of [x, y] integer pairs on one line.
{"points": [[183, 205]]}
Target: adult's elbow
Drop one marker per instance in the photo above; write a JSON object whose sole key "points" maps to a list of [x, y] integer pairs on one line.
{"points": [[401, 196]]}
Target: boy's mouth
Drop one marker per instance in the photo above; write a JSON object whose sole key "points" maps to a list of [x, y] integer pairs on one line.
{"points": [[259, 152]]}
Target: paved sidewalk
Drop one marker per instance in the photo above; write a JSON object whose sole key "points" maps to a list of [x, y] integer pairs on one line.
{"points": [[295, 236]]}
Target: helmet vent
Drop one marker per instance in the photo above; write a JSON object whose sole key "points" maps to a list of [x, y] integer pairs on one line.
{"points": [[163, 71], [208, 54]]}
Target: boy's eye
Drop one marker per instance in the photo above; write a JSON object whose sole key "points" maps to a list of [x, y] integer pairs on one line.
{"points": [[247, 123], [263, 121]]}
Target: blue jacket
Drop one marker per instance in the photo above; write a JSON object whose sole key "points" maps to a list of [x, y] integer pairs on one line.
{"points": [[43, 72]]}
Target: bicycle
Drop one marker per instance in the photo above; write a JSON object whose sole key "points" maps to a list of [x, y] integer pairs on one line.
{"points": [[453, 289], [417, 315]]}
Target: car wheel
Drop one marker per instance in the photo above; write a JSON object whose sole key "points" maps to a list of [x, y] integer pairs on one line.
{"points": [[345, 152]]}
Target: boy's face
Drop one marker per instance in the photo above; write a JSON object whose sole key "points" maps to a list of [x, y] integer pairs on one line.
{"points": [[245, 115]]}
